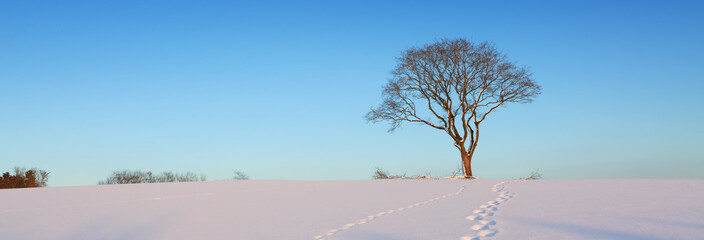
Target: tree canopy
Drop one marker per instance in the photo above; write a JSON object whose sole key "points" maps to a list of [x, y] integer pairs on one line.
{"points": [[453, 85]]}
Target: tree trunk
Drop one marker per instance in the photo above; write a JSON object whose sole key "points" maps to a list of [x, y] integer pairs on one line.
{"points": [[466, 163]]}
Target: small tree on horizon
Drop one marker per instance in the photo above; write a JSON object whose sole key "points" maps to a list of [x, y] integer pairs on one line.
{"points": [[457, 83]]}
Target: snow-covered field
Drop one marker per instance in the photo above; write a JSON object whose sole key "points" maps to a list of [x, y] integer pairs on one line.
{"points": [[371, 209]]}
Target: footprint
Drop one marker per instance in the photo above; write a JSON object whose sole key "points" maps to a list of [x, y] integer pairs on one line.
{"points": [[474, 217], [469, 238], [479, 227], [487, 233], [488, 222], [479, 211], [491, 208], [486, 214]]}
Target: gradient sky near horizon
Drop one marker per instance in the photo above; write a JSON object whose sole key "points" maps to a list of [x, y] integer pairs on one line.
{"points": [[279, 90]]}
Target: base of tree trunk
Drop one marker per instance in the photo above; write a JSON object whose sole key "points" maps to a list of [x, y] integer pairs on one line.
{"points": [[470, 177]]}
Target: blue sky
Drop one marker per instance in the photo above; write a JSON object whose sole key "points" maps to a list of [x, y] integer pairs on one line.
{"points": [[279, 89]]}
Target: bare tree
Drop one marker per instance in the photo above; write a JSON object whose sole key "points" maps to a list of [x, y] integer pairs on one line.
{"points": [[42, 178], [453, 85]]}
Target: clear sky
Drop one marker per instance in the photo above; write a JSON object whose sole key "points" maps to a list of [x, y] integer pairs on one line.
{"points": [[279, 90]]}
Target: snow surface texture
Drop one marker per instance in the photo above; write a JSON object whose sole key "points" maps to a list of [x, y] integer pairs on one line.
{"points": [[373, 209]]}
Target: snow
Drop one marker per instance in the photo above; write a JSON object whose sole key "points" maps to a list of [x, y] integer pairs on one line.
{"points": [[371, 209], [605, 209]]}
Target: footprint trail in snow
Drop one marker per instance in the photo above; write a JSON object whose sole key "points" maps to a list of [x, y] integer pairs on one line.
{"points": [[370, 218], [481, 217]]}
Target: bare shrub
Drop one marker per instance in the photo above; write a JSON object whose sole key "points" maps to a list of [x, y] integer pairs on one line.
{"points": [[167, 176], [240, 176], [187, 177], [535, 175], [138, 176], [459, 171], [128, 177], [381, 174]]}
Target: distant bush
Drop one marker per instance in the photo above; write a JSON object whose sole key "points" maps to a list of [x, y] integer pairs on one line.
{"points": [[240, 176], [535, 175], [131, 177], [381, 174], [23, 178]]}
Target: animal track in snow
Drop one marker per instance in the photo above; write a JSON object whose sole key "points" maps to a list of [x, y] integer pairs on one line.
{"points": [[370, 218], [482, 225]]}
